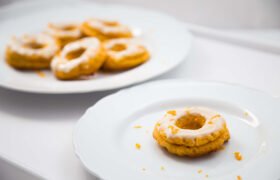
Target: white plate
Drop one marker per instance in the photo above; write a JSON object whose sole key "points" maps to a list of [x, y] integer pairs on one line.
{"points": [[165, 37], [104, 138]]}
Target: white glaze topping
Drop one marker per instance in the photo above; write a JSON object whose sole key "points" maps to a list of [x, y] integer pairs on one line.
{"points": [[60, 30], [217, 123], [104, 28], [61, 63], [20, 45], [132, 48]]}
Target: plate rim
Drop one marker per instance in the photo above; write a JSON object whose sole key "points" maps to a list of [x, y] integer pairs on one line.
{"points": [[32, 5], [151, 83]]}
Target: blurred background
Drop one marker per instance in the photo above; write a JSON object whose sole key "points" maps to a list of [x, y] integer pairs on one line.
{"points": [[246, 14], [255, 19]]}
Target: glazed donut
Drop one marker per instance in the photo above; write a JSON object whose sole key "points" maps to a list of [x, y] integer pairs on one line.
{"points": [[31, 51], [79, 58], [191, 132], [64, 33], [103, 29], [124, 54]]}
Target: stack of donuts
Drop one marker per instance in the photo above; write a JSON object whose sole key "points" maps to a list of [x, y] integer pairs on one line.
{"points": [[73, 50], [192, 132]]}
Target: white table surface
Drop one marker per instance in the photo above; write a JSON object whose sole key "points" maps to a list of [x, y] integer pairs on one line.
{"points": [[36, 130]]}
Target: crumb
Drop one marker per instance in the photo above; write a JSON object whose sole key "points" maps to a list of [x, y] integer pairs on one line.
{"points": [[172, 112], [41, 74], [210, 122], [238, 156], [138, 146], [239, 178], [137, 127], [143, 169], [199, 171], [246, 114], [206, 175], [162, 168]]}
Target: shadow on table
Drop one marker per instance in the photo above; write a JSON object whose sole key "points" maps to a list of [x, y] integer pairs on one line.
{"points": [[89, 176], [47, 107], [9, 170]]}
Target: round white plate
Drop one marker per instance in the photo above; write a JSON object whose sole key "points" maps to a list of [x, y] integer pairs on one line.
{"points": [[166, 38], [104, 138]]}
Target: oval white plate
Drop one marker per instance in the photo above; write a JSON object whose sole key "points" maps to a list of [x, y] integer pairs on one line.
{"points": [[166, 38], [104, 138]]}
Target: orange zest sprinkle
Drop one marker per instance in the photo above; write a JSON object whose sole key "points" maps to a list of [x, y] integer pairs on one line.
{"points": [[238, 156], [173, 129], [138, 146], [41, 74], [172, 112], [206, 175], [199, 171], [239, 178]]}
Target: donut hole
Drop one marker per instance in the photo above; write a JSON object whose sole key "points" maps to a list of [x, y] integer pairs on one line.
{"points": [[118, 47], [34, 45], [191, 121], [75, 54]]}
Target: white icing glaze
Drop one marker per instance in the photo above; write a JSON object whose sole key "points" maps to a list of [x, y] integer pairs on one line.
{"points": [[169, 120], [61, 63], [132, 48], [104, 28], [57, 30], [18, 45]]}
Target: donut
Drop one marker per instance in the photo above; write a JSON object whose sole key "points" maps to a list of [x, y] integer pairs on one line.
{"points": [[104, 29], [124, 53], [31, 51], [192, 132], [64, 33], [79, 58]]}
